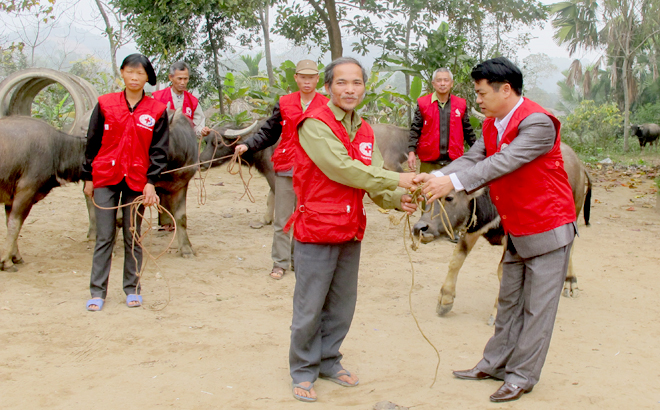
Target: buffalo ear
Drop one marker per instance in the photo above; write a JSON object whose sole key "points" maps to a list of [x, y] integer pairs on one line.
{"points": [[476, 194]]}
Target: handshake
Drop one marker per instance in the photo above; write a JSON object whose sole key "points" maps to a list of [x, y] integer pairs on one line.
{"points": [[432, 187]]}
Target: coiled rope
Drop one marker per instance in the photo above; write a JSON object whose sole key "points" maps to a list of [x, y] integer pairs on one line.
{"points": [[139, 239]]}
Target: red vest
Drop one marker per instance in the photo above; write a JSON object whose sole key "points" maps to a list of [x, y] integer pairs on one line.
{"points": [[327, 211], [536, 197], [428, 147], [189, 101], [291, 111], [126, 141]]}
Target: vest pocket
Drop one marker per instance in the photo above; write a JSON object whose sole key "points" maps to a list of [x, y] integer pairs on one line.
{"points": [[328, 214]]}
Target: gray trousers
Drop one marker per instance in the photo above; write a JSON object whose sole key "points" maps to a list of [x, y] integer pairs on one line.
{"points": [[526, 310], [106, 220], [323, 305], [285, 204]]}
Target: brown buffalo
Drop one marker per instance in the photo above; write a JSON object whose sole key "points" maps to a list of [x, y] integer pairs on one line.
{"points": [[476, 216]]}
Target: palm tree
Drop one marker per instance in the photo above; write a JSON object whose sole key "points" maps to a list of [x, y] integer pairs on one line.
{"points": [[627, 26]]}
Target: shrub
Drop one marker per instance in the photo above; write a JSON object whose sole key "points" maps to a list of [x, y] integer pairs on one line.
{"points": [[594, 130]]}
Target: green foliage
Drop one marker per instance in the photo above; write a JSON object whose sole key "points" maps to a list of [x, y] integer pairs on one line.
{"points": [[239, 120], [646, 113], [593, 129], [96, 72], [12, 59], [54, 105]]}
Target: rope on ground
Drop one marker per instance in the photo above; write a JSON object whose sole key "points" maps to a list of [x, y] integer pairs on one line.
{"points": [[135, 216], [407, 231]]}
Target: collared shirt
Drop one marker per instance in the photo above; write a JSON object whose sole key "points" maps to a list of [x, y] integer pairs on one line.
{"points": [[330, 155], [501, 127], [502, 124], [199, 119]]}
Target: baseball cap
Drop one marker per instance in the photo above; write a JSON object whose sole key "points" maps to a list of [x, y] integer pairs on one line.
{"points": [[306, 67]]}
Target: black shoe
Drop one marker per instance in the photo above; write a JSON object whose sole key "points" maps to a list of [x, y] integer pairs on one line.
{"points": [[472, 374]]}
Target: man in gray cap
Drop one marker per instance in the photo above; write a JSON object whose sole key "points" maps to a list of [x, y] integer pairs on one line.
{"points": [[282, 126]]}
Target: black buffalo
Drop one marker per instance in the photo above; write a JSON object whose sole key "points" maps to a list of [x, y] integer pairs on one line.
{"points": [[647, 134], [35, 158], [476, 215]]}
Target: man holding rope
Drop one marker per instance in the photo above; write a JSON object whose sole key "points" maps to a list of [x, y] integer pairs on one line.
{"points": [[336, 162], [519, 158], [282, 126], [127, 143]]}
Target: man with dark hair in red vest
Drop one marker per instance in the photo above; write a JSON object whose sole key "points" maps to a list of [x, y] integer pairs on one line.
{"points": [[519, 158], [177, 96], [337, 161], [440, 126], [282, 126]]}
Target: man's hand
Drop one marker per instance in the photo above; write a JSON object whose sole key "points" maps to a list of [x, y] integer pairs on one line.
{"points": [[412, 161], [407, 205], [438, 187], [150, 195], [422, 178], [205, 131], [241, 149], [406, 180], [89, 189]]}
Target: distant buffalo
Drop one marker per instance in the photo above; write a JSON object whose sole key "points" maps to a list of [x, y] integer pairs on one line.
{"points": [[647, 133]]}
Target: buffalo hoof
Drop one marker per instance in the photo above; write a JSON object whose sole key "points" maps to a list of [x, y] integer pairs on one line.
{"points": [[187, 252], [571, 289], [443, 309], [7, 267], [17, 261]]}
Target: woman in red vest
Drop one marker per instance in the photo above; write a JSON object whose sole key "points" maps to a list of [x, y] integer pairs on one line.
{"points": [[127, 143]]}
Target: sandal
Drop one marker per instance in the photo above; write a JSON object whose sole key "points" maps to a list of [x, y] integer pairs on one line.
{"points": [[336, 378], [303, 398], [277, 273], [134, 298], [98, 302]]}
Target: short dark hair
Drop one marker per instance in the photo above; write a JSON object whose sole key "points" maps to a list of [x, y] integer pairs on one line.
{"points": [[138, 59], [330, 69], [179, 66], [499, 71]]}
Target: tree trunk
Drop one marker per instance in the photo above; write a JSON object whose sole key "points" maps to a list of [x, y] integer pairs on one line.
{"points": [[110, 32], [334, 32], [626, 103], [263, 17], [218, 80], [413, 14]]}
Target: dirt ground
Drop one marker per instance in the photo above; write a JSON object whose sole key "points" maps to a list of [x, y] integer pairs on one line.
{"points": [[214, 332]]}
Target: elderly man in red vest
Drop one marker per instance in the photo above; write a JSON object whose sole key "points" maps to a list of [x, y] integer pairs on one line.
{"points": [[282, 126], [519, 158], [177, 97], [440, 126], [337, 161]]}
